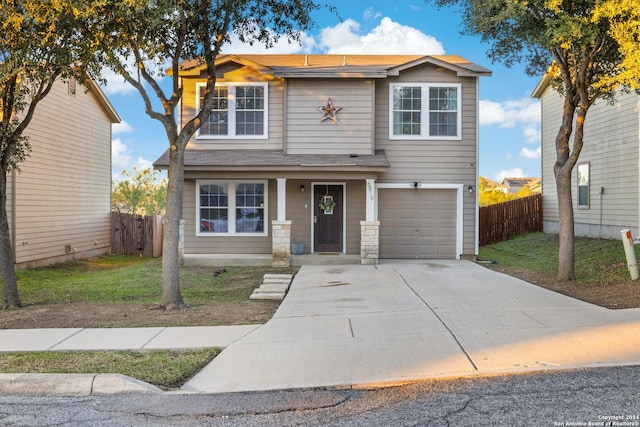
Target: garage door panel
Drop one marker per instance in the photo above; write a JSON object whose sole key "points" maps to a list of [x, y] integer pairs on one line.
{"points": [[417, 223]]}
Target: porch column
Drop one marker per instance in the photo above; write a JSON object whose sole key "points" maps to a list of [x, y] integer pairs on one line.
{"points": [[370, 203], [369, 242], [282, 199], [281, 246], [281, 230]]}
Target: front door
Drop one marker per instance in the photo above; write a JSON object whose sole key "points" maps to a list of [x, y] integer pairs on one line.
{"points": [[328, 217]]}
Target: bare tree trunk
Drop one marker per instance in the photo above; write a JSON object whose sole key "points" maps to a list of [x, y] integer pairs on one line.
{"points": [[9, 281], [171, 296], [566, 257]]}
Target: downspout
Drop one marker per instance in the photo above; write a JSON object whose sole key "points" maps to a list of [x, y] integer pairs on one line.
{"points": [[638, 164], [477, 169], [285, 104], [14, 186]]}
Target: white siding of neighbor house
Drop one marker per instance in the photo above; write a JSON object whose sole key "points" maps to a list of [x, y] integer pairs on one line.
{"points": [[63, 192], [611, 141], [434, 161], [352, 132], [275, 129]]}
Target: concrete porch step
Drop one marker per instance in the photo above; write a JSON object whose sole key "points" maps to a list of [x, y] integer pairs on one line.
{"points": [[273, 287]]}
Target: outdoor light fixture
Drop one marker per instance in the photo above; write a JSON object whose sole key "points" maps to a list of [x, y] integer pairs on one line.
{"points": [[302, 188], [470, 189]]}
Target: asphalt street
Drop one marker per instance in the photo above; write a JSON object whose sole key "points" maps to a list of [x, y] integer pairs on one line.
{"points": [[592, 397]]}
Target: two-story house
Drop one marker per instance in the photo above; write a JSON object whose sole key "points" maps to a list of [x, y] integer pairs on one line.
{"points": [[356, 156], [606, 179], [59, 203]]}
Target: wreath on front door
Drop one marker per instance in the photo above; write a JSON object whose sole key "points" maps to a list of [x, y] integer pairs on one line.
{"points": [[327, 204]]}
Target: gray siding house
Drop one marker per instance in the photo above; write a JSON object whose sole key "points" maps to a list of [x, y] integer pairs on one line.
{"points": [[605, 179], [59, 204], [356, 156]]}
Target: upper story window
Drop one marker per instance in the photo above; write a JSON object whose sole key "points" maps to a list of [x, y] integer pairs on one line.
{"points": [[425, 111], [239, 111]]}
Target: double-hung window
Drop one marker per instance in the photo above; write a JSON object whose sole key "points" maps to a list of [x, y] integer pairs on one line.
{"points": [[239, 111], [231, 208], [425, 111]]}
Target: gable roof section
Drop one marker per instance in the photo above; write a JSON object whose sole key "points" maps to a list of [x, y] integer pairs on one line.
{"points": [[340, 66], [97, 92]]}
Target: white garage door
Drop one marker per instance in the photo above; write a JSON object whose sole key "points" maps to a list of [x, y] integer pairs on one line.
{"points": [[417, 223]]}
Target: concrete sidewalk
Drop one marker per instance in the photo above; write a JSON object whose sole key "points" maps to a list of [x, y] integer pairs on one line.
{"points": [[346, 326], [358, 326], [70, 339]]}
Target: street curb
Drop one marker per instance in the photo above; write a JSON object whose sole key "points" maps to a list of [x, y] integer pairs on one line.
{"points": [[72, 385]]}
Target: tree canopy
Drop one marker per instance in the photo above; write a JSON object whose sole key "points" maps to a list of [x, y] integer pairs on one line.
{"points": [[139, 40], [140, 192], [587, 49], [39, 43]]}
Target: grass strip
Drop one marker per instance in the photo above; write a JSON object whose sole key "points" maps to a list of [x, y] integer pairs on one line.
{"points": [[166, 369], [597, 261]]}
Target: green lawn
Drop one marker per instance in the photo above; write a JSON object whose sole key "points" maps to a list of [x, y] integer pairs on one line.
{"points": [[163, 368], [125, 279], [597, 261]]}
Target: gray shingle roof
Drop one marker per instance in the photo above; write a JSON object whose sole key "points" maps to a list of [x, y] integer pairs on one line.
{"points": [[242, 159]]}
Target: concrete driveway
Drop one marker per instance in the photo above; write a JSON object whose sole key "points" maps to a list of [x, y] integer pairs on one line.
{"points": [[358, 326]]}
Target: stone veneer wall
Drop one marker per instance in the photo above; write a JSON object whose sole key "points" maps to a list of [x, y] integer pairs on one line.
{"points": [[281, 238], [369, 242]]}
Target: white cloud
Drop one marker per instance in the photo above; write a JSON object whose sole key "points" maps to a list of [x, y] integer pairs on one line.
{"points": [[530, 154], [282, 46], [122, 127], [388, 37], [370, 14], [524, 113], [509, 173], [120, 157], [116, 84]]}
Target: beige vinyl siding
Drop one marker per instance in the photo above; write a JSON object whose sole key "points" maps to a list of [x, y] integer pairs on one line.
{"points": [[237, 244], [353, 130], [275, 113], [63, 192], [611, 149], [433, 161]]}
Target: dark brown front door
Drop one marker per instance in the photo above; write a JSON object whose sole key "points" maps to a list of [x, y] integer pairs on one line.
{"points": [[328, 210]]}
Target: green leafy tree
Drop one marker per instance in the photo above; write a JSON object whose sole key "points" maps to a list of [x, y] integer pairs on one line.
{"points": [[587, 49], [139, 192], [137, 38], [488, 195], [38, 45]]}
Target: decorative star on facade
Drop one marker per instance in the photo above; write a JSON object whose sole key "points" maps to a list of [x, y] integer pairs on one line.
{"points": [[329, 111]]}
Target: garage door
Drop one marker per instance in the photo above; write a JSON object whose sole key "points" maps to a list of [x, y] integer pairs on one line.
{"points": [[417, 223]]}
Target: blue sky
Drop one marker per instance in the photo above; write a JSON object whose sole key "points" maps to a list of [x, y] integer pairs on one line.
{"points": [[509, 117]]}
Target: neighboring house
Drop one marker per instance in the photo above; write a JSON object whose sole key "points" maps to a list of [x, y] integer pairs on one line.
{"points": [[514, 185], [59, 203], [357, 156], [605, 179], [491, 185]]}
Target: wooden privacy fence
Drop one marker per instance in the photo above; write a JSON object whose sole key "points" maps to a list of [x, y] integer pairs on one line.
{"points": [[504, 221], [136, 234]]}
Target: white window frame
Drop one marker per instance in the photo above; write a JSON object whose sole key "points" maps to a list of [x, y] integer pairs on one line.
{"points": [[587, 185], [424, 116], [231, 208], [232, 110]]}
